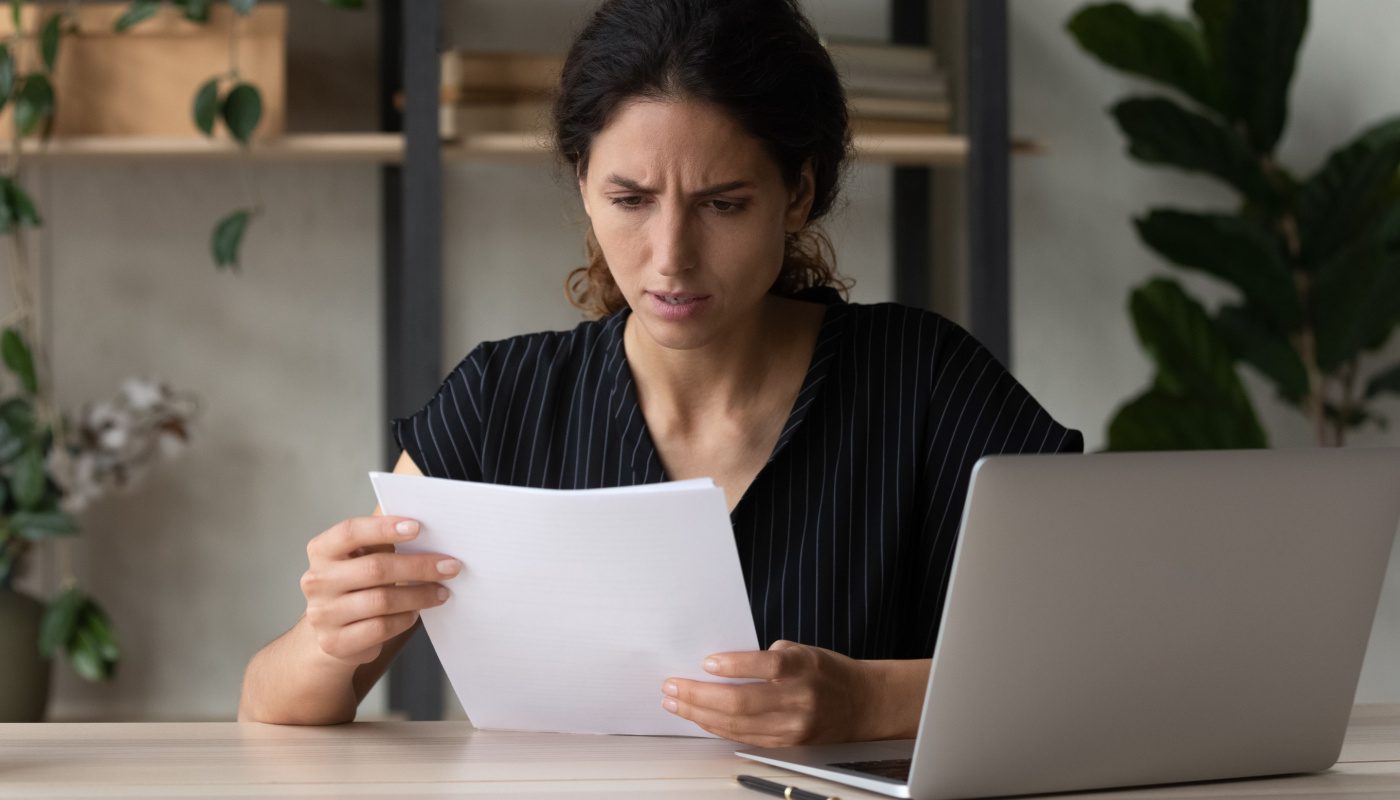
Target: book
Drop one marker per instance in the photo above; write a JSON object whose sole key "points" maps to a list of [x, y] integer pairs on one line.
{"points": [[903, 108], [528, 73]]}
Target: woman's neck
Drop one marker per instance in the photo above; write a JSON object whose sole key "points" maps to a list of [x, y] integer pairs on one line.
{"points": [[726, 376]]}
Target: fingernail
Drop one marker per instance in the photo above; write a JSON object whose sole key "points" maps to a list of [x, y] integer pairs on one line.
{"points": [[668, 704], [449, 566], [670, 688], [406, 528], [443, 594], [711, 664]]}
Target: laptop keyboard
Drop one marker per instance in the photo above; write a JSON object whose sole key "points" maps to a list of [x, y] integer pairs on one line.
{"points": [[894, 768]]}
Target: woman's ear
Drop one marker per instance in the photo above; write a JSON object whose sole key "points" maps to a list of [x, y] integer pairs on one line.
{"points": [[582, 190], [800, 199]]}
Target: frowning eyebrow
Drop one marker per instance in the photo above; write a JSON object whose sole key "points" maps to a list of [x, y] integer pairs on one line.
{"points": [[631, 185]]}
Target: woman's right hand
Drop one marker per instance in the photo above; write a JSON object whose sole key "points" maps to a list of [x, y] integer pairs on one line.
{"points": [[360, 593]]}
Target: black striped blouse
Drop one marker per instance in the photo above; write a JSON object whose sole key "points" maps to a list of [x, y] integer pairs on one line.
{"points": [[846, 535]]}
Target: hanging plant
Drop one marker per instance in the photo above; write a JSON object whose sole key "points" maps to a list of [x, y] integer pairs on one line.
{"points": [[225, 98]]}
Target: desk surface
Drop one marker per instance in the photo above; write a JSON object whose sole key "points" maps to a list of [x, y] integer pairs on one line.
{"points": [[399, 759]]}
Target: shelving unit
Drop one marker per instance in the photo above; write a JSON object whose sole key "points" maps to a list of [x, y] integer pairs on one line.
{"points": [[412, 207]]}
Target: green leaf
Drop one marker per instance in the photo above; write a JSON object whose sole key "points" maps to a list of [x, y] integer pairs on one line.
{"points": [[85, 657], [90, 654], [36, 525], [1388, 381], [48, 40], [34, 103], [60, 621], [243, 7], [1256, 343], [96, 621], [196, 10], [1213, 16], [1260, 49], [1190, 356], [18, 413], [17, 357], [228, 234], [1332, 202], [15, 207], [242, 111], [139, 11], [353, 5], [1234, 249], [1356, 297], [28, 480], [11, 443], [7, 74], [1195, 370], [1157, 420], [16, 427], [206, 106], [1161, 132], [1157, 46], [7, 214]]}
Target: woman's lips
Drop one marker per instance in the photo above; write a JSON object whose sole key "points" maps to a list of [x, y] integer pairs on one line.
{"points": [[688, 305]]}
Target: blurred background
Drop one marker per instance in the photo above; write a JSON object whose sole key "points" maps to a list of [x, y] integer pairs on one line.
{"points": [[276, 366]]}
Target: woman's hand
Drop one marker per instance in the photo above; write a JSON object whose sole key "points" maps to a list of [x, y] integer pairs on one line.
{"points": [[360, 593], [809, 695]]}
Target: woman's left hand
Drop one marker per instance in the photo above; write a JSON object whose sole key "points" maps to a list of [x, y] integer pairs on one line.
{"points": [[808, 695]]}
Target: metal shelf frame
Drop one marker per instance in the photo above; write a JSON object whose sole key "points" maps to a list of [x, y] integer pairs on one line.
{"points": [[409, 36]]}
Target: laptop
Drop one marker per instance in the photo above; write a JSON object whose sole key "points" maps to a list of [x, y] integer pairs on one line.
{"points": [[1133, 619]]}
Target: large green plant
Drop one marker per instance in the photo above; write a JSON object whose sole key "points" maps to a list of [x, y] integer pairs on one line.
{"points": [[1313, 262]]}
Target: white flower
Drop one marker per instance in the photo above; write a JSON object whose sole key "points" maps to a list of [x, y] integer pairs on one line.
{"points": [[142, 394], [117, 441]]}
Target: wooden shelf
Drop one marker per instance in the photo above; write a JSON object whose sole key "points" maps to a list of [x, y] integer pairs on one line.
{"points": [[910, 149], [921, 149], [382, 147]]}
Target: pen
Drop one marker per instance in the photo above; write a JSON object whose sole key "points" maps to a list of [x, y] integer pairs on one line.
{"points": [[789, 792]]}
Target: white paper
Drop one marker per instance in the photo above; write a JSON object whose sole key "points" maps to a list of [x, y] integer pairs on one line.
{"points": [[574, 606]]}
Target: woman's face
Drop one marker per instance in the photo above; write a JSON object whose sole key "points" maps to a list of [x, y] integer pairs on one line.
{"points": [[691, 214]]}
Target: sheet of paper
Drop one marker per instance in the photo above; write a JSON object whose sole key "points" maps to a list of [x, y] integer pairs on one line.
{"points": [[574, 606]]}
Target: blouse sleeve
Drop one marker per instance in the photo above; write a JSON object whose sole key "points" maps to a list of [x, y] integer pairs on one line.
{"points": [[976, 408], [444, 436]]}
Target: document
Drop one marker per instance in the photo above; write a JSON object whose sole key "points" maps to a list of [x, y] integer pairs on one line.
{"points": [[574, 606]]}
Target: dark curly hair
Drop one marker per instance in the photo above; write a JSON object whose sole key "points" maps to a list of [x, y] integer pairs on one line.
{"points": [[759, 60]]}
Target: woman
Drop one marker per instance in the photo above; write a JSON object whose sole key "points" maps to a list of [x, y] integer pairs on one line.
{"points": [[707, 137]]}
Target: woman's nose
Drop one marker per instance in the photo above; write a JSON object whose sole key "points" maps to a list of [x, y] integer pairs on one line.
{"points": [[673, 249]]}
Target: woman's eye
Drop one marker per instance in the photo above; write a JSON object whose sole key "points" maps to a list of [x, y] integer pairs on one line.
{"points": [[726, 207], [627, 202]]}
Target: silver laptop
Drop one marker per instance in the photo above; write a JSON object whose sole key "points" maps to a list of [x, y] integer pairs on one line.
{"points": [[1133, 619]]}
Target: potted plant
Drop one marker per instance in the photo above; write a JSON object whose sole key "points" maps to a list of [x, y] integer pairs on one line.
{"points": [[1313, 259], [50, 470]]}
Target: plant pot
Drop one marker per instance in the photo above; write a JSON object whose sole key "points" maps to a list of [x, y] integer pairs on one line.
{"points": [[24, 691]]}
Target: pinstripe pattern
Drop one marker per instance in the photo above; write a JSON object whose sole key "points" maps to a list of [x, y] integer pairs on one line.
{"points": [[846, 534]]}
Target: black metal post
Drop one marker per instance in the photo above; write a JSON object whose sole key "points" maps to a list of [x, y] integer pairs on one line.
{"points": [[412, 209], [989, 218], [913, 195]]}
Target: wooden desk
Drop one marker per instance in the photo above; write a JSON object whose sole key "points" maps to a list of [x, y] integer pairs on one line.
{"points": [[401, 759]]}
